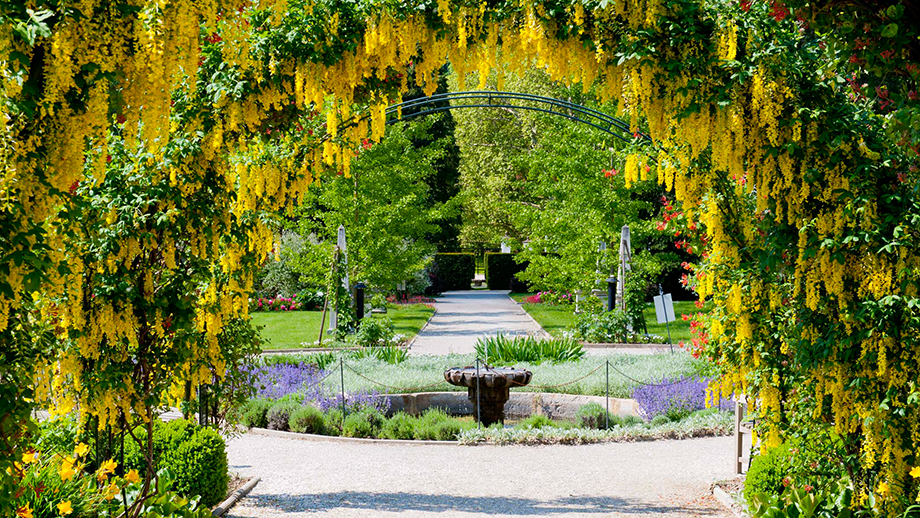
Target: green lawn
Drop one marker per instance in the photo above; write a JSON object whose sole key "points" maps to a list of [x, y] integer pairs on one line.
{"points": [[556, 319], [286, 330], [289, 330], [553, 319]]}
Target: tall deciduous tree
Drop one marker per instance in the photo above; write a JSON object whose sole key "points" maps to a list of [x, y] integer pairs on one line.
{"points": [[554, 190], [385, 206]]}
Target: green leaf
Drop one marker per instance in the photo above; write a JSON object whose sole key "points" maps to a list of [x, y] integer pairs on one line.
{"points": [[895, 11], [890, 30]]}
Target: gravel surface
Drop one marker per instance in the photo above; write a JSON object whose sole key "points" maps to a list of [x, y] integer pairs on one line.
{"points": [[465, 316], [306, 478]]}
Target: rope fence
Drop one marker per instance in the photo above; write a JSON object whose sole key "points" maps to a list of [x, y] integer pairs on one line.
{"points": [[487, 368], [399, 389], [482, 368]]}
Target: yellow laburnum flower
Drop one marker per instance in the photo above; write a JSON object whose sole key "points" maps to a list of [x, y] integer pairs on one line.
{"points": [[133, 477], [67, 470], [108, 467], [80, 450], [29, 457], [915, 472], [24, 512], [110, 491], [882, 488], [65, 508]]}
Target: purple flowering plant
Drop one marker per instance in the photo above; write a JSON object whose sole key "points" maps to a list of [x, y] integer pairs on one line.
{"points": [[282, 379], [675, 398]]}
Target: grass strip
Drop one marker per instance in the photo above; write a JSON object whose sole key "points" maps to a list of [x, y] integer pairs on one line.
{"points": [[294, 329]]}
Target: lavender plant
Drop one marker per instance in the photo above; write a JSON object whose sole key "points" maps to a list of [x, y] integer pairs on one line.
{"points": [[674, 398], [278, 380], [283, 379]]}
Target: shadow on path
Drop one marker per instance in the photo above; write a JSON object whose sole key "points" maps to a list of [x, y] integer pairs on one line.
{"points": [[440, 503]]}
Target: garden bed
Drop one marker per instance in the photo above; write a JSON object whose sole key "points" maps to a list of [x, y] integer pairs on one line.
{"points": [[536, 430], [414, 402], [557, 319], [426, 374]]}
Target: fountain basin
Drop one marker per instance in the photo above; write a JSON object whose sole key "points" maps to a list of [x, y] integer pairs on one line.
{"points": [[488, 388]]}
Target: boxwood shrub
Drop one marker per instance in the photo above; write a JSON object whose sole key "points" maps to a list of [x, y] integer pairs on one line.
{"points": [[307, 419], [200, 465], [365, 423], [197, 455], [279, 414], [253, 413], [594, 416], [400, 426], [767, 472]]}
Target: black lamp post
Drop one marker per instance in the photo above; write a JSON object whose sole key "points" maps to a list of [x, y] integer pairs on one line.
{"points": [[611, 292], [359, 299]]}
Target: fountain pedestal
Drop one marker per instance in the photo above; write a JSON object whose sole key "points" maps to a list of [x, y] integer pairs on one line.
{"points": [[491, 385]]}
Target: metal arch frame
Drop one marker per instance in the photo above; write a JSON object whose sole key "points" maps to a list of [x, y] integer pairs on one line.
{"points": [[491, 99]]}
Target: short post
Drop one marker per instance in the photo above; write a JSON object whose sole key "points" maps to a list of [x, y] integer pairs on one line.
{"points": [[342, 373], [607, 398], [478, 402], [611, 292], [739, 438], [202, 405], [359, 300], [187, 400]]}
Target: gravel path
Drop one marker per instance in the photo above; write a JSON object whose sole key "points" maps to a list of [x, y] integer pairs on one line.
{"points": [[465, 316], [332, 479]]}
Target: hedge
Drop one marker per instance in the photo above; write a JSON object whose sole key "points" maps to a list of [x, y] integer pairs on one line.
{"points": [[500, 270], [196, 454], [455, 270]]}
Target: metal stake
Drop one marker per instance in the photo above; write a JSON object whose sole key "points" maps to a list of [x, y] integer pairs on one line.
{"points": [[478, 405], [607, 398], [342, 372]]}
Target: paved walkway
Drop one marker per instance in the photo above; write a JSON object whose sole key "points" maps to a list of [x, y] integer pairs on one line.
{"points": [[665, 479], [465, 316]]}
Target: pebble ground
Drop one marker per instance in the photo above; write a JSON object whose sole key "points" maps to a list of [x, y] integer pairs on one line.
{"points": [[337, 479]]}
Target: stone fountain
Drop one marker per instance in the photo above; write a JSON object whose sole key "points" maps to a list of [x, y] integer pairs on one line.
{"points": [[492, 388]]}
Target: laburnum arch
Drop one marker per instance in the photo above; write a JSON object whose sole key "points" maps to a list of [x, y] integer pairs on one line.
{"points": [[509, 100], [146, 145]]}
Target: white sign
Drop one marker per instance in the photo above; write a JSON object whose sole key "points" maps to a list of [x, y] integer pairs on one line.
{"points": [[664, 308]]}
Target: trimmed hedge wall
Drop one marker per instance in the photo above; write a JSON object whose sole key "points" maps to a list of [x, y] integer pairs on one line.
{"points": [[455, 271], [500, 270]]}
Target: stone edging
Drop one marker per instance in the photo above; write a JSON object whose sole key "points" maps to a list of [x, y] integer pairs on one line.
{"points": [[355, 440], [235, 497], [726, 500], [414, 338]]}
